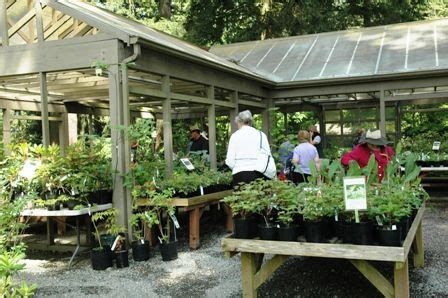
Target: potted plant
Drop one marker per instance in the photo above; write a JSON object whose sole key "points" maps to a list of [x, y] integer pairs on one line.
{"points": [[160, 214], [314, 211], [102, 254], [140, 246], [289, 204]]}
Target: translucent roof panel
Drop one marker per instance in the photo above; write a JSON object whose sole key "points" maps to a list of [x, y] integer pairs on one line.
{"points": [[398, 48]]}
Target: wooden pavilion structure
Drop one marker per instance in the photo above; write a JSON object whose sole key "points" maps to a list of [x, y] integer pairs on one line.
{"points": [[48, 48]]}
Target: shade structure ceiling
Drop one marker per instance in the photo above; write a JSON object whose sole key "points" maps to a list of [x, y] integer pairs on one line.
{"points": [[399, 48]]}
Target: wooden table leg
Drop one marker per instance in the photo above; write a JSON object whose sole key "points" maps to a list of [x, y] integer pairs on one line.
{"points": [[419, 254], [229, 218], [248, 270], [401, 280], [61, 227], [50, 231], [195, 218]]}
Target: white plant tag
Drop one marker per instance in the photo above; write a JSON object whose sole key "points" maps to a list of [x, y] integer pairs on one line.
{"points": [[201, 190], [176, 223], [336, 216], [378, 220], [157, 172], [394, 227], [115, 243], [142, 241], [219, 207], [160, 239], [88, 210]]}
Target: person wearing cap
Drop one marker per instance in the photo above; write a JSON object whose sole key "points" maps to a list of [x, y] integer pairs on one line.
{"points": [[316, 139], [198, 142], [371, 142], [244, 146], [303, 155], [285, 149]]}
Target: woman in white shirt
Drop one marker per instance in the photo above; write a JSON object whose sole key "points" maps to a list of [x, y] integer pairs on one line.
{"points": [[244, 146]]}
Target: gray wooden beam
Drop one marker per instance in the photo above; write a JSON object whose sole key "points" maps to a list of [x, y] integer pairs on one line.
{"points": [[63, 133], [121, 199], [167, 126], [382, 114], [156, 62], [4, 24], [417, 96], [44, 109], [32, 117], [58, 55], [211, 116], [39, 21], [24, 105], [234, 112], [267, 117], [6, 130]]}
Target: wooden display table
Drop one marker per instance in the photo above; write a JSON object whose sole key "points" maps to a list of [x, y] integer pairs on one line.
{"points": [[66, 213], [255, 273], [195, 207]]}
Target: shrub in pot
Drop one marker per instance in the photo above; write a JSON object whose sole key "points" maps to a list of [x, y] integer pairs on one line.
{"points": [[314, 211], [140, 246], [244, 203], [289, 204], [160, 215]]}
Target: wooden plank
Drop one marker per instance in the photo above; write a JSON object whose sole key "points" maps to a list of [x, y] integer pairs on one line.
{"points": [[20, 32], [268, 268], [375, 277], [4, 24], [211, 119], [250, 103], [30, 117], [25, 105], [23, 21], [248, 271], [44, 109], [56, 26], [80, 30], [229, 218], [194, 201], [413, 230], [325, 250], [234, 112], [401, 280], [167, 126], [39, 22], [57, 55], [419, 255], [194, 228]]}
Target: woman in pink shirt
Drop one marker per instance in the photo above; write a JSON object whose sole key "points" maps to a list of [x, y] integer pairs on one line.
{"points": [[371, 142]]}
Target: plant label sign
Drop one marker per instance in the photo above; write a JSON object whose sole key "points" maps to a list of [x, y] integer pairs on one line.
{"points": [[187, 163], [436, 146], [355, 194], [28, 170]]}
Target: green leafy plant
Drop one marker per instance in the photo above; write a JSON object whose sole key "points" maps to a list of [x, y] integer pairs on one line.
{"points": [[112, 227], [159, 213]]}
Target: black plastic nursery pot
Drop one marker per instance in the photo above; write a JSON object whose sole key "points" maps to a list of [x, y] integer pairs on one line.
{"points": [[362, 233], [140, 250], [268, 231], [101, 258], [168, 251], [405, 225], [343, 231], [288, 233], [315, 231], [329, 227], [105, 196], [244, 228], [389, 237], [122, 258]]}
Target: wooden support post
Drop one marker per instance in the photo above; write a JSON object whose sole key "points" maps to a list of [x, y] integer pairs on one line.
{"points": [[375, 277], [234, 112], [72, 128], [4, 24], [60, 224], [120, 150], [418, 245], [50, 231], [167, 126], [401, 280], [63, 133], [44, 109], [266, 116], [268, 268], [248, 270], [211, 116], [194, 227], [382, 113], [6, 130], [149, 235], [322, 128], [285, 123], [397, 122]]}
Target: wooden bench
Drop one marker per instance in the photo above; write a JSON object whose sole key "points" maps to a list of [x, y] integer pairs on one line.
{"points": [[195, 207], [254, 273]]}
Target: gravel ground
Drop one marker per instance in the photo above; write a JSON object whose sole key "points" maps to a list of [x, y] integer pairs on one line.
{"points": [[206, 273]]}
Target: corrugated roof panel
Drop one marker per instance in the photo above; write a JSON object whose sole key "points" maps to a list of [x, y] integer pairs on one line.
{"points": [[393, 55], [276, 54], [315, 61], [365, 58], [422, 53], [442, 44], [342, 55]]}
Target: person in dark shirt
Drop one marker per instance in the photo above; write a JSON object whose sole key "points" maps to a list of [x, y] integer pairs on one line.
{"points": [[198, 142]]}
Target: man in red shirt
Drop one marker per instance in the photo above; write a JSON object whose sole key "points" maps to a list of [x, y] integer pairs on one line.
{"points": [[371, 142]]}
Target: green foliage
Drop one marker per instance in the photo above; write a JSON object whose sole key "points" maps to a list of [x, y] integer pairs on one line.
{"points": [[109, 217]]}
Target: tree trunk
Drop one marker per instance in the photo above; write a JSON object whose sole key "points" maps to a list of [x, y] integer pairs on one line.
{"points": [[165, 9]]}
